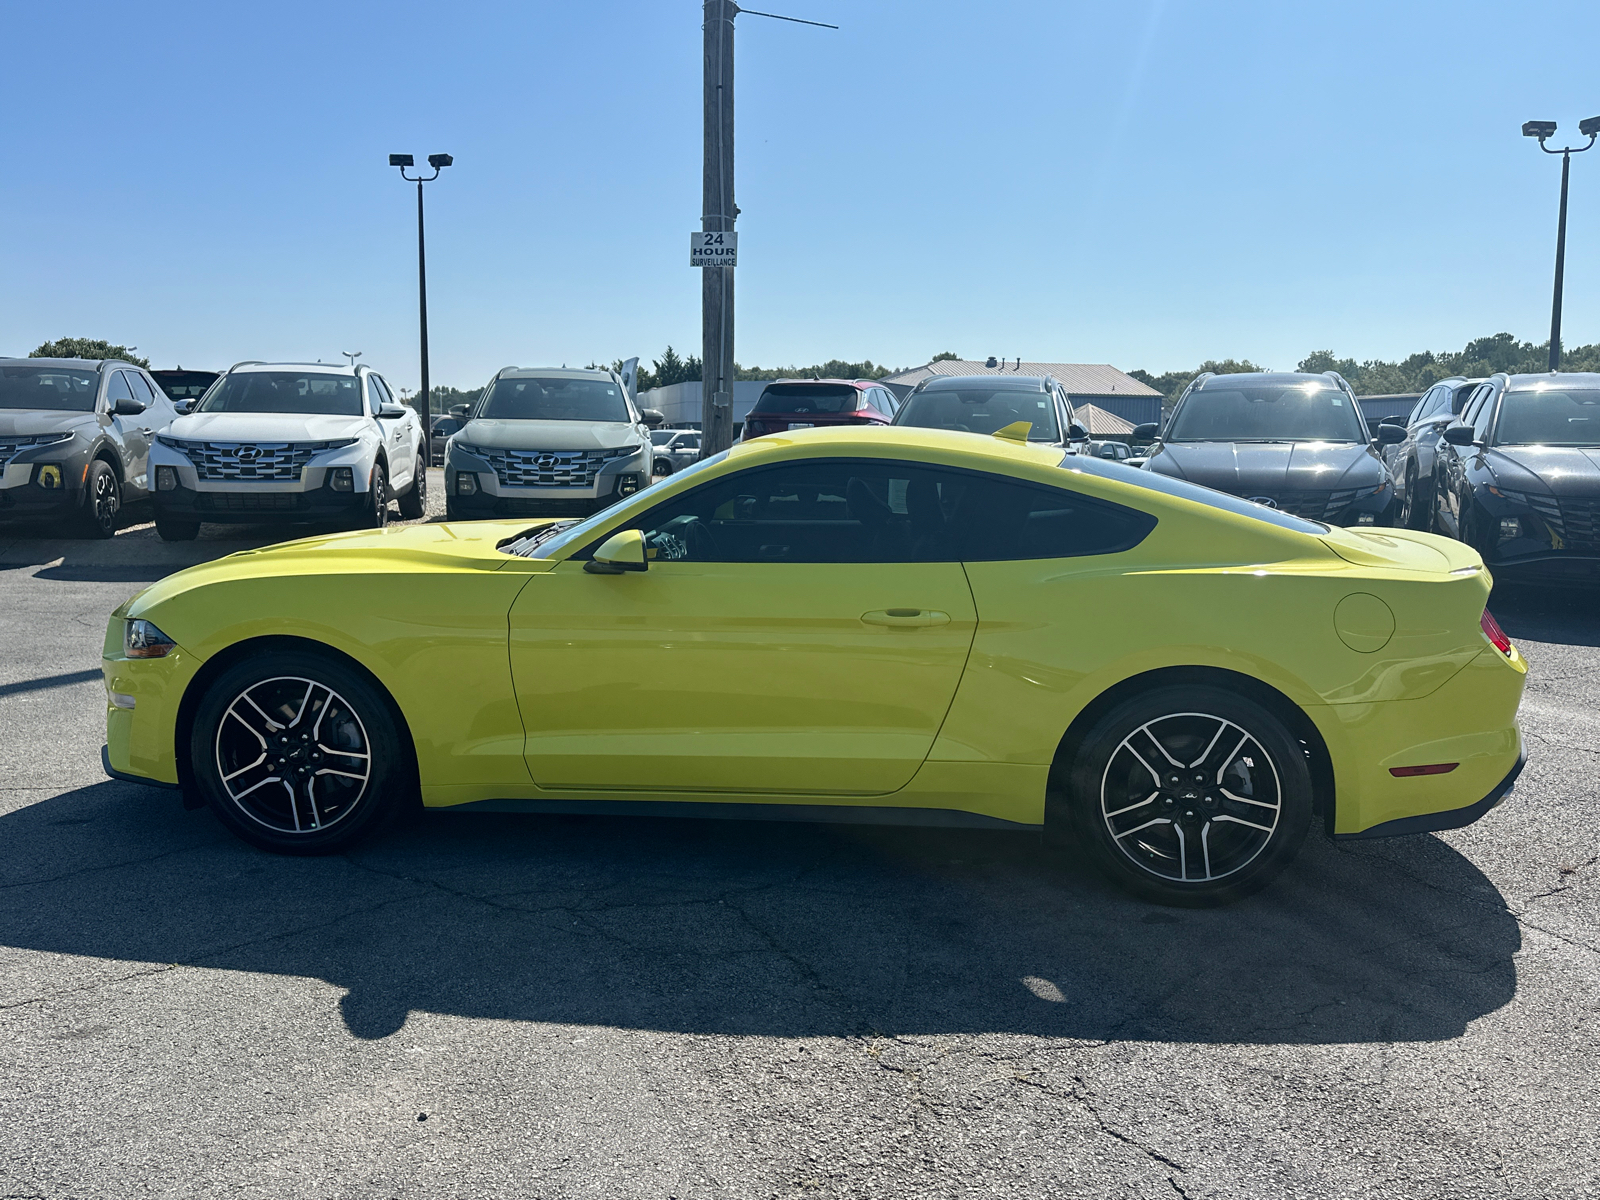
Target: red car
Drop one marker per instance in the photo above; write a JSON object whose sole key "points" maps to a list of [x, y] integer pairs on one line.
{"points": [[808, 403]]}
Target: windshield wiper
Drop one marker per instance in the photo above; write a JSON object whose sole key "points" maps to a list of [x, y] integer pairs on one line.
{"points": [[524, 546]]}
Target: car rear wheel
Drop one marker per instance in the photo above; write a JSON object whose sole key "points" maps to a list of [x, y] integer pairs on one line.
{"points": [[298, 754], [175, 529], [1191, 795], [414, 504], [102, 502]]}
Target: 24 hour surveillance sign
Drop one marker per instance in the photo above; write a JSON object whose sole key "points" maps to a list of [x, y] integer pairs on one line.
{"points": [[713, 249]]}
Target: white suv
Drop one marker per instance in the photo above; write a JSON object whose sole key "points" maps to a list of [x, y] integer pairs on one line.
{"points": [[547, 441], [289, 442]]}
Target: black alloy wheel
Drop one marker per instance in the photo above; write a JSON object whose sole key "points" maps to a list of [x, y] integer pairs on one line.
{"points": [[1191, 795], [376, 514], [299, 754], [414, 504], [176, 529], [102, 502]]}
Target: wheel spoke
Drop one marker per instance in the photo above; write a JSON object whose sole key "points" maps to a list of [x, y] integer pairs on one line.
{"points": [[1145, 729], [1205, 847], [1224, 817], [1232, 755], [1221, 725], [1183, 850], [1131, 807], [1247, 800], [1146, 825], [305, 700]]}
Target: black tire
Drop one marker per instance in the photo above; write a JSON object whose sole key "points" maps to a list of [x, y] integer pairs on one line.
{"points": [[661, 467], [414, 504], [102, 502], [1190, 813], [451, 512], [375, 515], [176, 529], [332, 794]]}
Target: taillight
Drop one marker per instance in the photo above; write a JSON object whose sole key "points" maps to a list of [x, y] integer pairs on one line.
{"points": [[1492, 631]]}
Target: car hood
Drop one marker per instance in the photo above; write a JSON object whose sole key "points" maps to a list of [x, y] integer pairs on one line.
{"points": [[25, 422], [549, 435], [1561, 470], [265, 427], [1267, 468]]}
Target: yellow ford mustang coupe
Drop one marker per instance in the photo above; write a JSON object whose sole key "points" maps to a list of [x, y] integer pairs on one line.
{"points": [[881, 626]]}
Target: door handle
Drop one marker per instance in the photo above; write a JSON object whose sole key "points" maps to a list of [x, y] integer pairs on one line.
{"points": [[906, 618]]}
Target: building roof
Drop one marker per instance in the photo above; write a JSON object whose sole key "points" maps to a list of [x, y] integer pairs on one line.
{"points": [[1099, 422], [1079, 379]]}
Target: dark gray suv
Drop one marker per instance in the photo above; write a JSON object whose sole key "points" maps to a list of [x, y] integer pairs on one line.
{"points": [[75, 439]]}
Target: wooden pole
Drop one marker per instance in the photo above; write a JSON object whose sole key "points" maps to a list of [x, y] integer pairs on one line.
{"points": [[716, 283]]}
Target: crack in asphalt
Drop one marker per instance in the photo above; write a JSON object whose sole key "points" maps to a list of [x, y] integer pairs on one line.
{"points": [[129, 862]]}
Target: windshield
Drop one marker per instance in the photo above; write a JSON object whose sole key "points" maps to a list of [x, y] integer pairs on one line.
{"points": [[59, 388], [1188, 491], [1550, 417], [809, 398], [547, 542], [526, 399], [309, 392], [1311, 410], [981, 410]]}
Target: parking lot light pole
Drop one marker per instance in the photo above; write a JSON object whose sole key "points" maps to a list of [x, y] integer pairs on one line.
{"points": [[438, 162], [1542, 130]]}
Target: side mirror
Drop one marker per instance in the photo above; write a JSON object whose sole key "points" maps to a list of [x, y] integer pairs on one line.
{"points": [[619, 553], [1077, 433], [390, 411], [1460, 435], [459, 411], [652, 417], [1389, 435], [127, 407], [1148, 432], [1394, 419], [183, 407]]}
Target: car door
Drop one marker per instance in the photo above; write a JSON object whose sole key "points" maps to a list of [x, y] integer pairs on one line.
{"points": [[1454, 489], [137, 433], [791, 637], [400, 438], [123, 431]]}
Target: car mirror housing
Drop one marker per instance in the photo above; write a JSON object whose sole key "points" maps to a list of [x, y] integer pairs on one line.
{"points": [[391, 411], [619, 553], [183, 407], [1148, 432], [1389, 435], [652, 417], [1460, 435], [1077, 433], [127, 407]]}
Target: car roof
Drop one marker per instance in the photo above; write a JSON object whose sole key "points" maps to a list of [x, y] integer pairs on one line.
{"points": [[324, 368], [82, 364], [1553, 379], [859, 384], [1243, 377], [551, 373], [1014, 383]]}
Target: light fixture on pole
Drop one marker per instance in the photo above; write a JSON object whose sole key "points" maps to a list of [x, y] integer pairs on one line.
{"points": [[425, 396], [352, 357], [1590, 128]]}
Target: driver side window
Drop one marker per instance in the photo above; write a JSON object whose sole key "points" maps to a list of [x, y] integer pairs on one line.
{"points": [[864, 510]]}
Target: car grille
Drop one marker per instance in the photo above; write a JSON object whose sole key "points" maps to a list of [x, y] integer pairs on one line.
{"points": [[1315, 506], [248, 462], [548, 468], [1580, 522], [246, 501]]}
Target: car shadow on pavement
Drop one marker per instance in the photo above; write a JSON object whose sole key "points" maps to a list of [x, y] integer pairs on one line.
{"points": [[772, 929], [1568, 616]]}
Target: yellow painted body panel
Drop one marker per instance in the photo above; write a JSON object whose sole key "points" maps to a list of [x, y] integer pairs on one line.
{"points": [[527, 678]]}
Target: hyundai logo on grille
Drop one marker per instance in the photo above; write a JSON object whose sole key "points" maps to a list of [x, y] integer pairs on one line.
{"points": [[547, 462], [247, 454]]}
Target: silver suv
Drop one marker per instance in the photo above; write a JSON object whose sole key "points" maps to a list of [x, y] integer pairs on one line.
{"points": [[547, 441]]}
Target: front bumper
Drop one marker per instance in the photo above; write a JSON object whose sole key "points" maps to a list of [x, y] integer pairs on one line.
{"points": [[142, 697], [31, 499], [258, 506]]}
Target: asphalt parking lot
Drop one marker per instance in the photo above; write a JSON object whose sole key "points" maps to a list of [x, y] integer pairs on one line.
{"points": [[483, 1006]]}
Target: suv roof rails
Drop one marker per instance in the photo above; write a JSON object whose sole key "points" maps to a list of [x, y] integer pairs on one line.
{"points": [[249, 362]]}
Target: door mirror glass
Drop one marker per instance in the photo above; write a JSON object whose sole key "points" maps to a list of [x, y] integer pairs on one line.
{"points": [[620, 552]]}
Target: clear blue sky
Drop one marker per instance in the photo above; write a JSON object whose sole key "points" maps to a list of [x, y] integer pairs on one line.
{"points": [[1147, 183]]}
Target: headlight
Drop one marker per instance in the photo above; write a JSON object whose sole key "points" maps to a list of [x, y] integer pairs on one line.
{"points": [[335, 444], [467, 448], [141, 639]]}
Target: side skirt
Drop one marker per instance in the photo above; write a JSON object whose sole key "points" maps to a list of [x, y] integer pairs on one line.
{"points": [[831, 814]]}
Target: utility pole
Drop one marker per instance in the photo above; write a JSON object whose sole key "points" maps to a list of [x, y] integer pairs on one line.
{"points": [[717, 216], [1543, 130]]}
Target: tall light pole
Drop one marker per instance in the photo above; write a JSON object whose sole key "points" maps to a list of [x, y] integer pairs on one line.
{"points": [[717, 213], [1543, 130], [438, 162]]}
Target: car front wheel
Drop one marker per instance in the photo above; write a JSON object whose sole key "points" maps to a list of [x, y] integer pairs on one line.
{"points": [[102, 502], [414, 504], [375, 514], [1191, 795], [298, 754]]}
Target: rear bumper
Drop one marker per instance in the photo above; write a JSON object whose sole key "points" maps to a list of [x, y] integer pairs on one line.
{"points": [[1454, 818], [259, 507]]}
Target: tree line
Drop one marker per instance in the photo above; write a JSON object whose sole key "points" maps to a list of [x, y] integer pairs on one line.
{"points": [[672, 368], [1415, 373]]}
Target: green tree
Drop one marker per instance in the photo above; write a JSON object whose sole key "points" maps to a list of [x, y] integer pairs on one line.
{"points": [[946, 356], [88, 348], [443, 399], [1171, 383], [670, 368]]}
